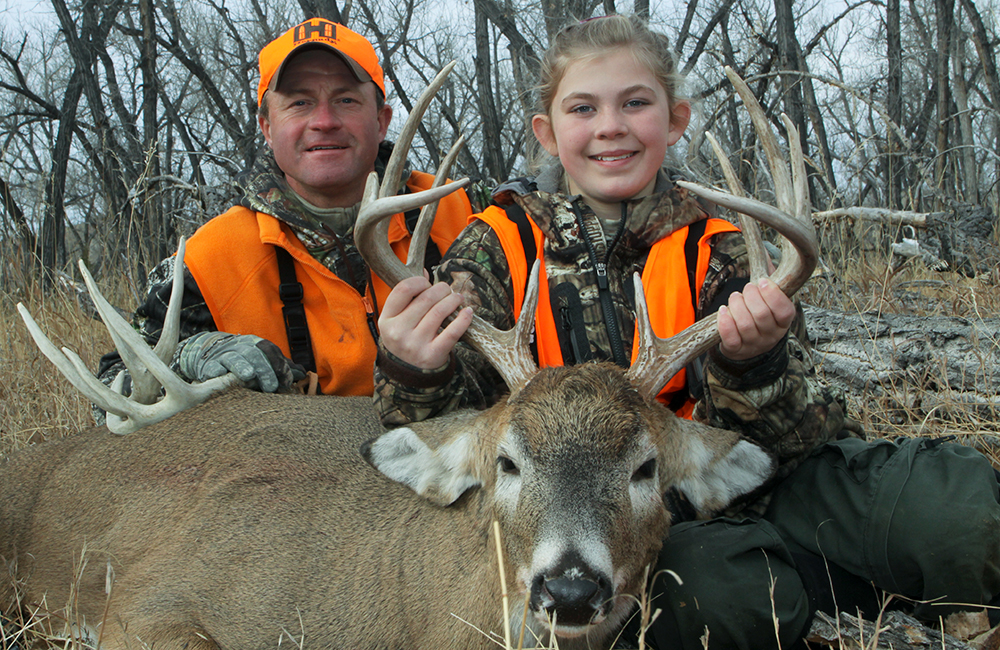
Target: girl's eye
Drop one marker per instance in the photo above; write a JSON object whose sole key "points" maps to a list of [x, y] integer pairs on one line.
{"points": [[635, 103], [582, 109]]}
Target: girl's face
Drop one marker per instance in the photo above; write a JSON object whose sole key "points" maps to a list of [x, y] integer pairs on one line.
{"points": [[610, 125]]}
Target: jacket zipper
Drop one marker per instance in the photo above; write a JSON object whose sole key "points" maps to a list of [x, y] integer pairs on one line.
{"points": [[603, 286]]}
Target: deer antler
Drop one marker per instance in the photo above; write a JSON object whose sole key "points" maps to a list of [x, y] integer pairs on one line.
{"points": [[147, 367], [507, 351], [660, 359]]}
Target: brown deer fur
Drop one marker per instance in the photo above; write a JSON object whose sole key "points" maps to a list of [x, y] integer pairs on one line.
{"points": [[253, 516]]}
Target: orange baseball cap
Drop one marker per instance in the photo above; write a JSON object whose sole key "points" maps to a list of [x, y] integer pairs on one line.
{"points": [[353, 48]]}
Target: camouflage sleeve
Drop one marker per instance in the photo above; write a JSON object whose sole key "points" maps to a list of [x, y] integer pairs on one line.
{"points": [[476, 267], [775, 399], [148, 321]]}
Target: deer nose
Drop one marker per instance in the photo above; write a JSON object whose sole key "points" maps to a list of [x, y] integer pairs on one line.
{"points": [[574, 601]]}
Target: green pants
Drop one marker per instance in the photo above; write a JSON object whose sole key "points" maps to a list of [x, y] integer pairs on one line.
{"points": [[916, 518]]}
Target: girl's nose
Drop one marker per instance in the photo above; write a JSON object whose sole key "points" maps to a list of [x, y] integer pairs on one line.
{"points": [[610, 124]]}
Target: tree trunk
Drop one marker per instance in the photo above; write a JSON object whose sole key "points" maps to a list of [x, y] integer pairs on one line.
{"points": [[323, 9], [492, 143], [788, 59], [970, 173], [53, 235], [894, 103], [988, 59], [153, 227], [945, 15]]}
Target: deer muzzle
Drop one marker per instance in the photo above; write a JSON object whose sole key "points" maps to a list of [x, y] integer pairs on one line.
{"points": [[575, 599]]}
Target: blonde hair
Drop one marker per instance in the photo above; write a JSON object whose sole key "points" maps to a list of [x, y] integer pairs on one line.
{"points": [[591, 38]]}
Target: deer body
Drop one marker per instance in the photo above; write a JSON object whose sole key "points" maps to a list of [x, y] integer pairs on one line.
{"points": [[232, 519], [253, 516]]}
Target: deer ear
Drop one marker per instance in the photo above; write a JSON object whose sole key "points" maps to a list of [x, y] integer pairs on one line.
{"points": [[720, 466], [440, 475]]}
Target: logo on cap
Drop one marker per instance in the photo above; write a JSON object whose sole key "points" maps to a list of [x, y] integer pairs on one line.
{"points": [[307, 31]]}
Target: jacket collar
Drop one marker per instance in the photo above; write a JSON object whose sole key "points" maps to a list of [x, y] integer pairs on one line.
{"points": [[648, 219]]}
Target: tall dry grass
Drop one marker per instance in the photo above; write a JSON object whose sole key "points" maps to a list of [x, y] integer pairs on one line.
{"points": [[36, 402]]}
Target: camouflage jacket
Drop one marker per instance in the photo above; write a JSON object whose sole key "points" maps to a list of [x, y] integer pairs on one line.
{"points": [[775, 399], [264, 189]]}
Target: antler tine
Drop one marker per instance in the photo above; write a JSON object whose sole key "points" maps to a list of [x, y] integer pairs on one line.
{"points": [[422, 231], [145, 386], [756, 254], [776, 162], [371, 230], [660, 359], [127, 414], [508, 350], [394, 168]]}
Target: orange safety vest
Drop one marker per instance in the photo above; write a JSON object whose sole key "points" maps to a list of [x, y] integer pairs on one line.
{"points": [[664, 280], [233, 260]]}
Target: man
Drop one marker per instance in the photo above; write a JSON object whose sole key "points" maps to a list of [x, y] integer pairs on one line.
{"points": [[275, 285]]}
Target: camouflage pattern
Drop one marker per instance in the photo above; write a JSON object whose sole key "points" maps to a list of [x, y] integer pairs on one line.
{"points": [[775, 399], [264, 189]]}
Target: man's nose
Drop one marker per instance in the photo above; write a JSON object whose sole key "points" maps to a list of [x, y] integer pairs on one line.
{"points": [[325, 117]]}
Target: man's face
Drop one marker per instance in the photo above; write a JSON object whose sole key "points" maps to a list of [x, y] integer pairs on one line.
{"points": [[324, 127]]}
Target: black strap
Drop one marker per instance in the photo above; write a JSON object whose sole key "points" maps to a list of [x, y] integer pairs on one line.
{"points": [[603, 285], [516, 214], [573, 342], [695, 375], [695, 233], [291, 294]]}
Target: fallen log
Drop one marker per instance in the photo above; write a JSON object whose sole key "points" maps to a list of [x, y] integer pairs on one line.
{"points": [[925, 365]]}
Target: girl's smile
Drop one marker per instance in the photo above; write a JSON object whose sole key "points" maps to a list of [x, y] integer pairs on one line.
{"points": [[610, 125]]}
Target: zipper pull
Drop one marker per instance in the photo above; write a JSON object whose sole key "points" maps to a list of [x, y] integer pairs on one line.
{"points": [[602, 276], [370, 315]]}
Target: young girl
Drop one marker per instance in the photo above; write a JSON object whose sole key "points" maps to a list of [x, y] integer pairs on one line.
{"points": [[602, 209]]}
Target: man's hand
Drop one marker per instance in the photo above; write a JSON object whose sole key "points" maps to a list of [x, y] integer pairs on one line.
{"points": [[412, 318], [257, 362], [755, 320]]}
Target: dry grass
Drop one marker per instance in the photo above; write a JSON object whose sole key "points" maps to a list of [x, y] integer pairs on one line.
{"points": [[36, 402]]}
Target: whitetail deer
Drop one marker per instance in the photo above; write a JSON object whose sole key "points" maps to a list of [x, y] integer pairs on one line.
{"points": [[252, 519]]}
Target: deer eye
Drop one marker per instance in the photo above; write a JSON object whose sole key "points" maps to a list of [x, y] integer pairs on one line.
{"points": [[507, 466], [646, 471]]}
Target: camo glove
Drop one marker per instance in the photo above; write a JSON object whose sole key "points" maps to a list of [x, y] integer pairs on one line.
{"points": [[257, 362]]}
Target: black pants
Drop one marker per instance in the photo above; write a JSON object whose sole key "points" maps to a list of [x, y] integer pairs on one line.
{"points": [[913, 518]]}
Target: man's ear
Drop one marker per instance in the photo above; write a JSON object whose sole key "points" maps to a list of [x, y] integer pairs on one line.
{"points": [[265, 127], [680, 115], [384, 117], [542, 126]]}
